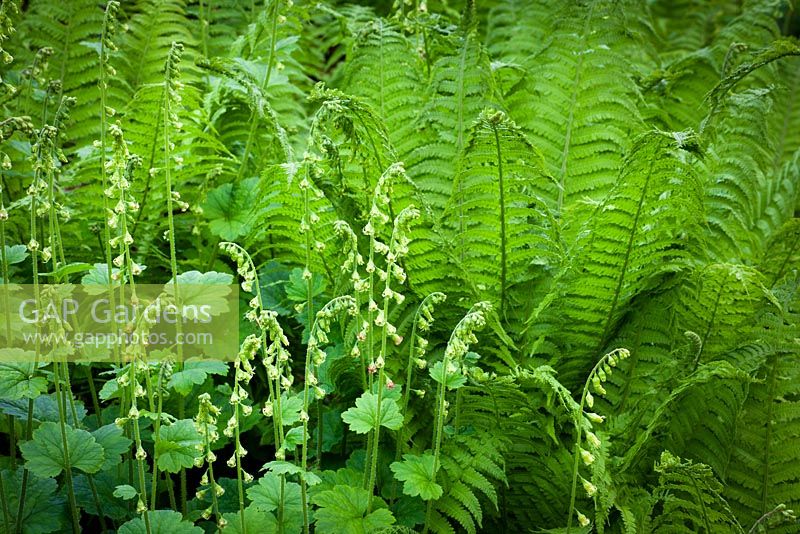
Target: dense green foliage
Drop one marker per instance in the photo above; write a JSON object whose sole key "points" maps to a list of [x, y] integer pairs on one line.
{"points": [[506, 265]]}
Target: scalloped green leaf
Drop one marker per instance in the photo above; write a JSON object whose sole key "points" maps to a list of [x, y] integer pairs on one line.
{"points": [[114, 443], [125, 492], [44, 454], [343, 509], [176, 446], [16, 254], [45, 507], [266, 494], [228, 209], [418, 476], [255, 521], [161, 522], [363, 417], [19, 380], [195, 372], [451, 379]]}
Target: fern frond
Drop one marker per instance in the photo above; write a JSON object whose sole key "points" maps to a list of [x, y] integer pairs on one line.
{"points": [[577, 102], [461, 86], [716, 387], [787, 114], [763, 469], [72, 30], [633, 238], [777, 50], [499, 208], [721, 303], [256, 100], [675, 93], [153, 28], [516, 32], [649, 334], [691, 499], [224, 18], [739, 173], [198, 154], [471, 466], [782, 251], [529, 410], [384, 69], [686, 26], [280, 212], [353, 139]]}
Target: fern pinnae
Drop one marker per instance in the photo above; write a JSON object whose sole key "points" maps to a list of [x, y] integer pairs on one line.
{"points": [[258, 102], [263, 85], [692, 498], [148, 41], [496, 163], [629, 228], [555, 102], [64, 28], [782, 251], [777, 50], [457, 346], [756, 478], [461, 86], [395, 88]]}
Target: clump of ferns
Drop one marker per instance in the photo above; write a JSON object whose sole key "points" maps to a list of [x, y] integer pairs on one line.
{"points": [[584, 422]]}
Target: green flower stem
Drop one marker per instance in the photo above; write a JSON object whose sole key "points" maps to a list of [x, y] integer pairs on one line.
{"points": [[239, 481], [156, 428], [578, 419], [437, 436], [370, 358], [381, 378], [310, 321], [376, 439], [11, 421], [138, 441], [212, 480], [169, 72], [37, 345], [62, 416]]}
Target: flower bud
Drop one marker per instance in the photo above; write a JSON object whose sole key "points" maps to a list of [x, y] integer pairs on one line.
{"points": [[590, 488]]}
